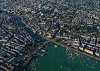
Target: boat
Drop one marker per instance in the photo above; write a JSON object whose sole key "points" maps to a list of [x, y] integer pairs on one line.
{"points": [[55, 46]]}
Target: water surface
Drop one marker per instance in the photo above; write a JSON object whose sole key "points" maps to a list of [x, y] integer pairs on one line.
{"points": [[62, 59]]}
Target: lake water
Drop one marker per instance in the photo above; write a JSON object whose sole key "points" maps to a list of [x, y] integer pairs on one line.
{"points": [[62, 59]]}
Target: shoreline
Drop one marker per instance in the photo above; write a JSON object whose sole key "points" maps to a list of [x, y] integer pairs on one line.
{"points": [[73, 48], [63, 45]]}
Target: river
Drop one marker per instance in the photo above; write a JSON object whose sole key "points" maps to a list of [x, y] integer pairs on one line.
{"points": [[59, 58]]}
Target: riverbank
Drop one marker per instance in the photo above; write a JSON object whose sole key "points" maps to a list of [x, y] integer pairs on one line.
{"points": [[88, 53], [29, 49]]}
